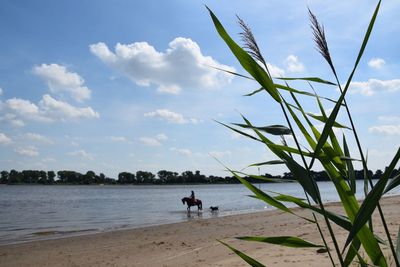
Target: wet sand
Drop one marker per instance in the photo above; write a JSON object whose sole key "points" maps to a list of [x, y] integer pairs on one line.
{"points": [[191, 243]]}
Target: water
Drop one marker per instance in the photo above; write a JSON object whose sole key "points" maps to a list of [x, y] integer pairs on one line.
{"points": [[42, 212]]}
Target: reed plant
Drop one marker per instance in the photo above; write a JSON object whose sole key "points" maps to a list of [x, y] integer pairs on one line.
{"points": [[363, 246]]}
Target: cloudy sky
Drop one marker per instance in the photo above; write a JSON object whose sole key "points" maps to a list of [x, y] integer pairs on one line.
{"points": [[115, 86]]}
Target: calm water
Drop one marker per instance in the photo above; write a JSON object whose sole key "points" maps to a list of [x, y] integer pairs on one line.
{"points": [[43, 212]]}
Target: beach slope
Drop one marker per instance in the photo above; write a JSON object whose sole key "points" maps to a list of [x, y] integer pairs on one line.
{"points": [[191, 243]]}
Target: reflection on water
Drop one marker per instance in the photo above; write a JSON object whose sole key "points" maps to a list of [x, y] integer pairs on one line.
{"points": [[42, 212]]}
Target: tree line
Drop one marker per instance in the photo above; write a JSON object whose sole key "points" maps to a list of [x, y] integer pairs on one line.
{"points": [[144, 177]]}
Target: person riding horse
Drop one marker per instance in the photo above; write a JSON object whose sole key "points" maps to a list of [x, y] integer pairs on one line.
{"points": [[192, 201]]}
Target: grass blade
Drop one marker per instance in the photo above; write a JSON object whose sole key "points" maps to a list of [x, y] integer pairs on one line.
{"points": [[246, 258], [287, 241]]}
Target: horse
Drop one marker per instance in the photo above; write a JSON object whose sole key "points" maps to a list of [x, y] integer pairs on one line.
{"points": [[189, 201]]}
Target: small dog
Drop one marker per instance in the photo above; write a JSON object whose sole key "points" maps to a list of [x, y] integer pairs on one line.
{"points": [[214, 208]]}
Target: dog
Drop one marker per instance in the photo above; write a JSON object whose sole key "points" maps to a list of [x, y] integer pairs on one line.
{"points": [[214, 208]]}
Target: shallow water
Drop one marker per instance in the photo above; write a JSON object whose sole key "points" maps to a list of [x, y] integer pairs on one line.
{"points": [[43, 212]]}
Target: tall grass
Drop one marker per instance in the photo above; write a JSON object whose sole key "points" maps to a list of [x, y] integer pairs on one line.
{"points": [[362, 245]]}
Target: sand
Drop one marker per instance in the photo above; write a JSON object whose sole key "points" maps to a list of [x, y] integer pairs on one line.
{"points": [[191, 243]]}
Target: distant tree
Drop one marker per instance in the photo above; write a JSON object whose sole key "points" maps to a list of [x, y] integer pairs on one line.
{"points": [[378, 174], [101, 178], [14, 177], [126, 178], [188, 177], [89, 177], [4, 177], [145, 177], [50, 177], [199, 178]]}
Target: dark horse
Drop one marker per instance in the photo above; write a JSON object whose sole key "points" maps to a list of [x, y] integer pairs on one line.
{"points": [[190, 202]]}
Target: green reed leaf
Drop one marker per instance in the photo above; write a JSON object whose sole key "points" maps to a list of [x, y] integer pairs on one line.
{"points": [[310, 79], [292, 90], [324, 120], [340, 220], [268, 179], [353, 251], [298, 172], [271, 162], [246, 258], [239, 132], [350, 169], [260, 194], [287, 241], [271, 129], [255, 92], [233, 73], [345, 158], [371, 201], [394, 182], [247, 62]]}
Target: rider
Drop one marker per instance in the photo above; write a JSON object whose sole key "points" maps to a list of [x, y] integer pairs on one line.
{"points": [[192, 197]]}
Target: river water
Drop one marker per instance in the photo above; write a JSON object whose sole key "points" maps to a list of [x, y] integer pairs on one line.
{"points": [[42, 212]]}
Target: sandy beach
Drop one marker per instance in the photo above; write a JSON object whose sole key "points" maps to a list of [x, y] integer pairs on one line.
{"points": [[191, 243]]}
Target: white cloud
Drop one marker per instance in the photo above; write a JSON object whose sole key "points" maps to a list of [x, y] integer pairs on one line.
{"points": [[12, 118], [171, 89], [22, 106], [154, 141], [386, 129], [1, 91], [181, 66], [149, 141], [170, 116], [374, 85], [59, 80], [161, 137], [275, 71], [183, 151], [62, 109], [81, 154], [49, 109], [376, 63], [38, 138], [29, 151], [293, 64], [118, 138], [4, 139]]}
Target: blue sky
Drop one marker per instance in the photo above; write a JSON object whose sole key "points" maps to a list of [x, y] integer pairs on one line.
{"points": [[126, 85]]}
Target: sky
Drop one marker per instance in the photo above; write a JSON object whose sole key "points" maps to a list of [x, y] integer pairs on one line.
{"points": [[114, 86]]}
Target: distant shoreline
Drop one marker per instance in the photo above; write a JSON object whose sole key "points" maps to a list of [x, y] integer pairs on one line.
{"points": [[162, 177]]}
